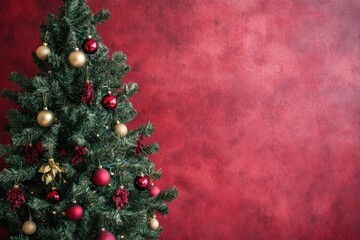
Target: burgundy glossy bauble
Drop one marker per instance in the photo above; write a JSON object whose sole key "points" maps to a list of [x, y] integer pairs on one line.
{"points": [[101, 177], [74, 212], [53, 196], [90, 46], [39, 148], [141, 183], [105, 235], [109, 101], [154, 191]]}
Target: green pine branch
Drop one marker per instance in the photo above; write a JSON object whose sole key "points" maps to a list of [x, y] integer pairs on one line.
{"points": [[101, 17], [168, 194]]}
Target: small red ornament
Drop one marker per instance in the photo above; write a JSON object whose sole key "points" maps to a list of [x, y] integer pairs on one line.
{"points": [[121, 198], [109, 101], [88, 93], [105, 235], [31, 155], [153, 190], [53, 196], [90, 45], [141, 182], [78, 154], [39, 148], [74, 212], [15, 196], [101, 177]]}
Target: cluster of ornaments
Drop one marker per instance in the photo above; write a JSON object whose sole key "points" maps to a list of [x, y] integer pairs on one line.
{"points": [[101, 177], [76, 58]]}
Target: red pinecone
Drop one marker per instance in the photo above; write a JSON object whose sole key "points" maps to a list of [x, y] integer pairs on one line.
{"points": [[31, 155], [15, 197], [121, 198], [78, 154], [88, 93], [139, 144]]}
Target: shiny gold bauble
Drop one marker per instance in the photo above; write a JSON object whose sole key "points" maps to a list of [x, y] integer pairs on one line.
{"points": [[45, 118], [76, 58], [154, 224], [120, 129], [29, 227], [42, 52]]}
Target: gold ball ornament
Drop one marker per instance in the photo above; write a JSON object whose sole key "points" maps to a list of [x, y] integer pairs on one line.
{"points": [[76, 58], [120, 129], [42, 52], [29, 227], [45, 118], [154, 224]]}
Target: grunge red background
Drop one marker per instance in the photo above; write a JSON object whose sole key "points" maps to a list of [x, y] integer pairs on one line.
{"points": [[256, 106]]}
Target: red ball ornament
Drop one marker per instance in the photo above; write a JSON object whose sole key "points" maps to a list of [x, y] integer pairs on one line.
{"points": [[105, 235], [141, 182], [39, 148], [153, 190], [90, 45], [53, 196], [74, 212], [101, 177], [109, 101]]}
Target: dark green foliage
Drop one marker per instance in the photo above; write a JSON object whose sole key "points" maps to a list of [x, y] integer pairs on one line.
{"points": [[78, 124]]}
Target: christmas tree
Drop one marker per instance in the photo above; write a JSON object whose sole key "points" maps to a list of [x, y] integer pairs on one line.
{"points": [[75, 171]]}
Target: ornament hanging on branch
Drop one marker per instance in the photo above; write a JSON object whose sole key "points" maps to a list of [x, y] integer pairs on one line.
{"points": [[139, 144], [53, 196], [15, 196], [78, 154], [50, 170], [153, 190], [76, 58], [101, 177], [31, 155], [153, 223], [45, 118], [141, 182], [105, 235], [42, 52], [74, 212], [90, 45], [120, 129], [121, 198], [109, 101], [29, 227], [39, 148]]}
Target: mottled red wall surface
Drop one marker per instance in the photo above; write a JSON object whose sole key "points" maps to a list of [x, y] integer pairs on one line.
{"points": [[256, 106]]}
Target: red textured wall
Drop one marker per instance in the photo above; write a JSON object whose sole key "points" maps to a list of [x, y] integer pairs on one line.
{"points": [[256, 106]]}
